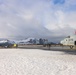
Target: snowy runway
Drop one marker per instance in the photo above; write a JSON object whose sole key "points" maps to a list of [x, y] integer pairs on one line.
{"points": [[36, 62]]}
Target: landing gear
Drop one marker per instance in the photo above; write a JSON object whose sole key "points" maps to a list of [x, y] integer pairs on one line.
{"points": [[71, 47]]}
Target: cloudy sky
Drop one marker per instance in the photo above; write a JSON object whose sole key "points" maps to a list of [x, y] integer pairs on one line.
{"points": [[37, 18]]}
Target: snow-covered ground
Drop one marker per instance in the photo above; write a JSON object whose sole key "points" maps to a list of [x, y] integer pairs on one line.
{"points": [[36, 62]]}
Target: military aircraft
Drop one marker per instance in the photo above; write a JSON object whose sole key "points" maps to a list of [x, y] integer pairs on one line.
{"points": [[69, 41], [5, 43]]}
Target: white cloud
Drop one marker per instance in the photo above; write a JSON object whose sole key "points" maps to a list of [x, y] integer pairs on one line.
{"points": [[11, 26], [71, 19], [26, 15], [38, 18]]}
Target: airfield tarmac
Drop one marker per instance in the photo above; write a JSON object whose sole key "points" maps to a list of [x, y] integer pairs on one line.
{"points": [[65, 49]]}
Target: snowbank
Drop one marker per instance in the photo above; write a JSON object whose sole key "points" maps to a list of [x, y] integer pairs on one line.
{"points": [[36, 62]]}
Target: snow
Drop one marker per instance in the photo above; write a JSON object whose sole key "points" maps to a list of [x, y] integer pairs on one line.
{"points": [[3, 41], [24, 41], [36, 62]]}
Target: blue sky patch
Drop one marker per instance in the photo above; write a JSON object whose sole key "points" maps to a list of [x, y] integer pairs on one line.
{"points": [[59, 1]]}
